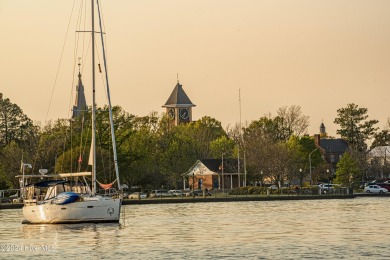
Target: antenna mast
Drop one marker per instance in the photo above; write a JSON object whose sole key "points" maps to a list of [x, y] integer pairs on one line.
{"points": [[241, 138]]}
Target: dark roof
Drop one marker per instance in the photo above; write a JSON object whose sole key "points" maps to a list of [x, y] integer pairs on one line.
{"points": [[80, 103], [334, 145], [178, 98], [229, 165]]}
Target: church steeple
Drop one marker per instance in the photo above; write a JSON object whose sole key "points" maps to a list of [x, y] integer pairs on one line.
{"points": [[80, 102]]}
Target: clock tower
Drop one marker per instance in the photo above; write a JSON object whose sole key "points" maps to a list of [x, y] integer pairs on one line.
{"points": [[178, 106]]}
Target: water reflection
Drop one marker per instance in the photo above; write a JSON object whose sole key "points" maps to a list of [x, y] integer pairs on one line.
{"points": [[327, 229]]}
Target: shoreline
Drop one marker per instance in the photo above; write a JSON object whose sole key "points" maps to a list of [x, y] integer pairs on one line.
{"points": [[223, 199], [233, 199]]}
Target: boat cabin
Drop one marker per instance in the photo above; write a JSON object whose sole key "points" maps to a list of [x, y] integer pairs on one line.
{"points": [[46, 190]]}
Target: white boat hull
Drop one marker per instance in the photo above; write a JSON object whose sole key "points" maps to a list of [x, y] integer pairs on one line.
{"points": [[93, 209]]}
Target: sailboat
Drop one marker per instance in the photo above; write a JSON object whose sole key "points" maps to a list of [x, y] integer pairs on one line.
{"points": [[68, 201]]}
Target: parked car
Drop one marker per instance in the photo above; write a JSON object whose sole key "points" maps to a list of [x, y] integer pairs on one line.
{"points": [[159, 193], [273, 187], [375, 189], [175, 192], [5, 200], [110, 192], [198, 193], [326, 186], [138, 195], [384, 185], [370, 183]]}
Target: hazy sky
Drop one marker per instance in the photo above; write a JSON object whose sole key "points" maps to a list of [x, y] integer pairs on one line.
{"points": [[320, 55]]}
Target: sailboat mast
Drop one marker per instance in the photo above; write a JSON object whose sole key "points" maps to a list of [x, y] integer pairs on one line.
{"points": [[109, 102], [93, 102]]}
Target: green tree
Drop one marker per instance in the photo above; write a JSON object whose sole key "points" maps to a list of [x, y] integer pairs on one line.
{"points": [[18, 139], [15, 125], [178, 147], [204, 131], [277, 162], [267, 128], [355, 127], [10, 161], [54, 138], [301, 149], [381, 139], [222, 145], [177, 153], [268, 157], [348, 171], [139, 154], [289, 121]]}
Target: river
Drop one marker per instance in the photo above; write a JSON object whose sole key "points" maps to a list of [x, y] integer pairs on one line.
{"points": [[319, 229]]}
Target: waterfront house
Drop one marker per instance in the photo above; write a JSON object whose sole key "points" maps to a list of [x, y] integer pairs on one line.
{"points": [[213, 174]]}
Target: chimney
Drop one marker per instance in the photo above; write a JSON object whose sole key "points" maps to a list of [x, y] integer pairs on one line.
{"points": [[317, 140]]}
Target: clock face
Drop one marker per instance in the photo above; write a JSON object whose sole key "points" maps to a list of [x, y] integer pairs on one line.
{"points": [[171, 113], [184, 113]]}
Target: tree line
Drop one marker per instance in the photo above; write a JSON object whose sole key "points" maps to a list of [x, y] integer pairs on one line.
{"points": [[152, 155]]}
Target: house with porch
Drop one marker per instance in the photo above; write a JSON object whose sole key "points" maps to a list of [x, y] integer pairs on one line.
{"points": [[213, 174]]}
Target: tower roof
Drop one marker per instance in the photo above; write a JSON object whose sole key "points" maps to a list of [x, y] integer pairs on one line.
{"points": [[322, 128], [178, 98], [80, 102]]}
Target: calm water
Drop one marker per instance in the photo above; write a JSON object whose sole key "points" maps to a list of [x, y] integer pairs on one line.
{"points": [[324, 229]]}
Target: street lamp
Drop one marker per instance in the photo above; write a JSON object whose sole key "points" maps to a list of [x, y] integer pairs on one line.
{"points": [[327, 171], [310, 164], [261, 179]]}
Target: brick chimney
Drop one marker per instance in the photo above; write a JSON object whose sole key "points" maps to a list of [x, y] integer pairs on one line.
{"points": [[317, 140]]}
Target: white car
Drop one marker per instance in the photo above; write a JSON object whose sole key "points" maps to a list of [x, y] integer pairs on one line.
{"points": [[138, 195], [327, 186], [175, 192], [159, 193], [375, 189]]}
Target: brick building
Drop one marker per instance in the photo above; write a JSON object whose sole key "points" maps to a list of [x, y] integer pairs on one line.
{"points": [[213, 174]]}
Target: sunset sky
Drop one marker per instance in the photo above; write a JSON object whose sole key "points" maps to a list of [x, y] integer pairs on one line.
{"points": [[320, 55]]}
